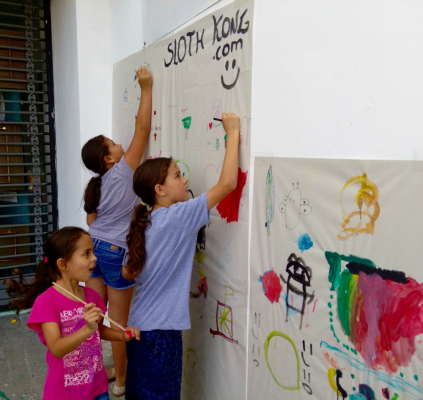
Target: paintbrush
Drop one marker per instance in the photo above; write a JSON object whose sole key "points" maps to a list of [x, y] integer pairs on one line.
{"points": [[108, 319]]}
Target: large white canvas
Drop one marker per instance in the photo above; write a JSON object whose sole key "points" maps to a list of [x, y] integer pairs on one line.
{"points": [[210, 76], [303, 196]]}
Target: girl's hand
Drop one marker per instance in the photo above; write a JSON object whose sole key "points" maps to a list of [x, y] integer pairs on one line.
{"points": [[144, 77], [135, 333], [92, 316], [231, 124]]}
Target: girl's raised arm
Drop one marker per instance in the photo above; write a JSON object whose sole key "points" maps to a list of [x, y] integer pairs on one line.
{"points": [[229, 176], [143, 123]]}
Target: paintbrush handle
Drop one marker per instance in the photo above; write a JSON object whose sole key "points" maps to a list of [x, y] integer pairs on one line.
{"points": [[132, 93], [82, 301]]}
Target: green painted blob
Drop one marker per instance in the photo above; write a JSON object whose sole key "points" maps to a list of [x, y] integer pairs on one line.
{"points": [[330, 319], [344, 301], [331, 313], [330, 305], [352, 376], [401, 375], [354, 388], [3, 396], [416, 378]]}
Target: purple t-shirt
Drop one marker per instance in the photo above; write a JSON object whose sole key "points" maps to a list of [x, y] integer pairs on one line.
{"points": [[116, 207], [79, 374], [162, 300]]}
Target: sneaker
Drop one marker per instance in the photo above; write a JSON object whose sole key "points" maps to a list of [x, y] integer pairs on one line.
{"points": [[118, 391]]}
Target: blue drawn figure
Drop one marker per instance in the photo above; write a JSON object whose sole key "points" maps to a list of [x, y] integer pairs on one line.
{"points": [[270, 199], [222, 237], [125, 95], [305, 242], [293, 206]]}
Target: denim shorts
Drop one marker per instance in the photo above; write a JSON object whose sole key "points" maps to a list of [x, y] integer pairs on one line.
{"points": [[154, 366], [103, 396], [109, 265]]}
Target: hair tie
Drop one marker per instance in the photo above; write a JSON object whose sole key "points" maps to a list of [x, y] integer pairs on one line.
{"points": [[94, 174], [46, 259], [144, 204]]}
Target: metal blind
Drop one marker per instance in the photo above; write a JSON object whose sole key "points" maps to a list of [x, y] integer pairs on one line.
{"points": [[28, 192]]}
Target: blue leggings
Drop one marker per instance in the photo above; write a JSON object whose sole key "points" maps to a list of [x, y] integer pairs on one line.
{"points": [[103, 396], [154, 366]]}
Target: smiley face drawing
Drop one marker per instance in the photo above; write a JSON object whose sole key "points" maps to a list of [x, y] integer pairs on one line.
{"points": [[293, 206], [230, 85]]}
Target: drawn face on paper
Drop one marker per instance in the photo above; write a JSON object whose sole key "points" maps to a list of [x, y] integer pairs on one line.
{"points": [[293, 206], [216, 110]]}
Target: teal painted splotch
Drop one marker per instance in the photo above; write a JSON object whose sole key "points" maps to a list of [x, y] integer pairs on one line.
{"points": [[305, 242], [357, 396], [3, 396]]}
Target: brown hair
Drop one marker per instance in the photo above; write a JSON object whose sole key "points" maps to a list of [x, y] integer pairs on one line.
{"points": [[93, 154], [150, 173], [61, 244]]}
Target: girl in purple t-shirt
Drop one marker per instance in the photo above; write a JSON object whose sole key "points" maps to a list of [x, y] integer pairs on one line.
{"points": [[109, 202], [70, 331]]}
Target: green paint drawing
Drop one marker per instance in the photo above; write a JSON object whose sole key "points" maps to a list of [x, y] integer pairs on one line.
{"points": [[184, 169], [187, 124], [3, 396], [266, 354]]}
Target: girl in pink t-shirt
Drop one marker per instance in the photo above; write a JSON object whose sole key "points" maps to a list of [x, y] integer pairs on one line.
{"points": [[70, 330]]}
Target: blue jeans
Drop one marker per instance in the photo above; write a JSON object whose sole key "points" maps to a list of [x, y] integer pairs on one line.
{"points": [[103, 396], [154, 366], [109, 265]]}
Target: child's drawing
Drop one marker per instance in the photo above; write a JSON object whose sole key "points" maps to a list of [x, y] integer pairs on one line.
{"points": [[270, 199], [216, 110], [293, 206], [187, 124], [366, 199], [224, 318], [379, 310]]}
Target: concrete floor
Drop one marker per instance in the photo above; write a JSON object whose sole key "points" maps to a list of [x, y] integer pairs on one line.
{"points": [[22, 360]]}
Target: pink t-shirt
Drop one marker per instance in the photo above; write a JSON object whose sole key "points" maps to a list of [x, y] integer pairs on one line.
{"points": [[79, 374]]}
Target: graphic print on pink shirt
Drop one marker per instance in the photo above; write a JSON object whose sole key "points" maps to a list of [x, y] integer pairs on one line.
{"points": [[80, 365]]}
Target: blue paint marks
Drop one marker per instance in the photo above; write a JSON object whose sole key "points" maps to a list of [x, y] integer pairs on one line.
{"points": [[412, 392], [304, 242]]}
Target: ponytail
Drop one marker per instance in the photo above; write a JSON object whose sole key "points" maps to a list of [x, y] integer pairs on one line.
{"points": [[92, 195], [93, 154], [136, 240], [61, 244], [150, 173]]}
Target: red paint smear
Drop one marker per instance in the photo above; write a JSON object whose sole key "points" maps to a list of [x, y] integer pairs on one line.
{"points": [[229, 207], [314, 307], [210, 125], [386, 329], [271, 286]]}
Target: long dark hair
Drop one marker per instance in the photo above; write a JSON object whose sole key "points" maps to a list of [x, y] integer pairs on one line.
{"points": [[93, 154], [61, 244], [150, 173]]}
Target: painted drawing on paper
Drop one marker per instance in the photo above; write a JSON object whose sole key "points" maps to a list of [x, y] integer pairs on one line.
{"points": [[367, 201]]}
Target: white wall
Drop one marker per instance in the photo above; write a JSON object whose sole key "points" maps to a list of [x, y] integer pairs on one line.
{"points": [[338, 79], [67, 116], [81, 86]]}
